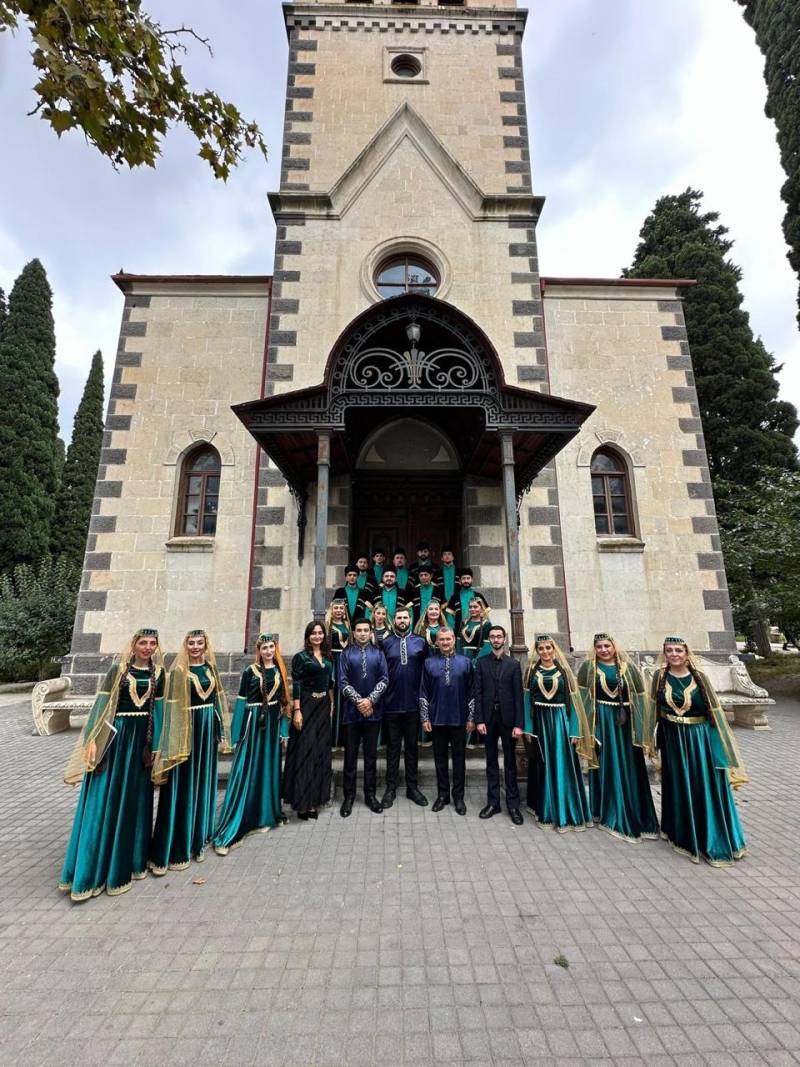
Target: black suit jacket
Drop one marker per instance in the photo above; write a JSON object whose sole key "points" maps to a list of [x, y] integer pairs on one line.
{"points": [[509, 692]]}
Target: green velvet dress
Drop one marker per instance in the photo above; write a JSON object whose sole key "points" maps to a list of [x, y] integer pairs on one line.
{"points": [[339, 638], [556, 794], [187, 801], [619, 789], [252, 800], [110, 836], [698, 812], [474, 639]]}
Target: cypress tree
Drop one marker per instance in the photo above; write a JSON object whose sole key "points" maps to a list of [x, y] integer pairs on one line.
{"points": [[28, 420], [777, 29], [75, 495], [3, 310], [746, 427]]}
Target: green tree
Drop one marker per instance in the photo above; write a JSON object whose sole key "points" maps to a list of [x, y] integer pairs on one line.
{"points": [[37, 610], [761, 544], [28, 420], [747, 428], [105, 67], [76, 492], [777, 29], [3, 310]]}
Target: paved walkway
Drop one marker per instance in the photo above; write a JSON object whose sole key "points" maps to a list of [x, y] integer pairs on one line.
{"points": [[409, 938]]}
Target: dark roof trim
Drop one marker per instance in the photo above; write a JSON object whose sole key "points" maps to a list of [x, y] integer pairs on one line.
{"points": [[124, 280], [623, 283]]}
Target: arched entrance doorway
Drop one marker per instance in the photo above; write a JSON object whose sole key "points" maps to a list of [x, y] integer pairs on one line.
{"points": [[412, 385], [407, 486]]}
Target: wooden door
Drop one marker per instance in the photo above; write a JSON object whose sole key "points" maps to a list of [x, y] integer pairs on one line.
{"points": [[391, 511]]}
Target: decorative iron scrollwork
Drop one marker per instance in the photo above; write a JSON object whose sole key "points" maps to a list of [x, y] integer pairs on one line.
{"points": [[443, 369]]}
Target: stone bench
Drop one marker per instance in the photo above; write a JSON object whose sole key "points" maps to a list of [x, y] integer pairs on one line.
{"points": [[53, 709], [744, 703]]}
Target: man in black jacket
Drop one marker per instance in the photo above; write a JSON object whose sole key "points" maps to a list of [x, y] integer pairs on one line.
{"points": [[499, 715]]}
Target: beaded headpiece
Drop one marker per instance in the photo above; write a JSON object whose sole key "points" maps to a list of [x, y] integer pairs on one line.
{"points": [[339, 600], [542, 637], [675, 641], [267, 637], [600, 637], [147, 632], [196, 633]]}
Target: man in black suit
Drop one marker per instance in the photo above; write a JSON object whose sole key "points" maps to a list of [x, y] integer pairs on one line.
{"points": [[499, 715]]}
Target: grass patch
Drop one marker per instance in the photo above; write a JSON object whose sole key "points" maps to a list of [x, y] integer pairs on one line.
{"points": [[779, 673]]}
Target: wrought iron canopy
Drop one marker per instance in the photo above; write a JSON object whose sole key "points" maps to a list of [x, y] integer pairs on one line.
{"points": [[413, 355]]}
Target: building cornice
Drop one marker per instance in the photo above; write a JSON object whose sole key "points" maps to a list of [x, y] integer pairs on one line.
{"points": [[615, 288], [257, 285], [414, 19]]}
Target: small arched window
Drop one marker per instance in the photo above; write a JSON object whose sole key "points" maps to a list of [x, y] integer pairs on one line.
{"points": [[611, 494], [406, 274], [198, 502]]}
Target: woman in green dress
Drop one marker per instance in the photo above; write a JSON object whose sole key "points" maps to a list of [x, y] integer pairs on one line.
{"points": [[111, 832], [196, 726], [337, 624], [430, 624], [474, 637], [380, 624], [307, 773], [556, 722], [700, 762], [260, 725], [621, 715]]}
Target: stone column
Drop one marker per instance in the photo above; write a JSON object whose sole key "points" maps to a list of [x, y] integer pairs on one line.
{"points": [[321, 539], [518, 647]]}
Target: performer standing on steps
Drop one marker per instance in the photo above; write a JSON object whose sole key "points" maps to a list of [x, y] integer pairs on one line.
{"points": [[423, 560], [447, 574], [389, 595], [376, 572], [499, 716], [458, 604], [307, 770], [447, 709], [402, 573], [352, 595], [363, 678], [425, 591], [405, 657]]}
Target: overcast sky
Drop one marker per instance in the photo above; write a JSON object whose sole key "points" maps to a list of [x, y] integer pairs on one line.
{"points": [[627, 100]]}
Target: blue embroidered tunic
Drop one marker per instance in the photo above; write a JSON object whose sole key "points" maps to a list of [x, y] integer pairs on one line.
{"points": [[405, 658], [362, 673], [445, 697]]}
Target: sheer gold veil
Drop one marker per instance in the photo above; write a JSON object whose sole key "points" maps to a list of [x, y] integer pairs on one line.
{"points": [[586, 741]]}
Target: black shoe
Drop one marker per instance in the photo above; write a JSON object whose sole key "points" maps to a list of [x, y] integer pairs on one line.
{"points": [[283, 818], [388, 798], [516, 816], [489, 811], [440, 802], [313, 814], [373, 804], [347, 807], [303, 815], [419, 798], [460, 806]]}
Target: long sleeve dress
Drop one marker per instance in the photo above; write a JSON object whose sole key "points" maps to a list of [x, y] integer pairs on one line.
{"points": [[698, 812], [340, 639], [187, 802], [556, 794], [252, 801], [110, 838], [619, 788], [307, 775]]}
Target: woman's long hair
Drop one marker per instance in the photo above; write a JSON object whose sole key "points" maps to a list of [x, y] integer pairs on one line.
{"points": [[324, 647], [286, 694]]}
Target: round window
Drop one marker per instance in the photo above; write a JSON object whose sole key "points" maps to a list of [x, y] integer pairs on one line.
{"points": [[406, 274], [406, 66]]}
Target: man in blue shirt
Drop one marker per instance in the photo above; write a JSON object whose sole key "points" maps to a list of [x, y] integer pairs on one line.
{"points": [[447, 710], [405, 654], [363, 679]]}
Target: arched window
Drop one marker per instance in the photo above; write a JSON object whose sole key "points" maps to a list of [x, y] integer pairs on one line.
{"points": [[199, 494], [406, 274], [611, 493]]}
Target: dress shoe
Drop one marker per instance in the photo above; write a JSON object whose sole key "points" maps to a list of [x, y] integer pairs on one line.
{"points": [[373, 804], [460, 806], [388, 798], [302, 815], [440, 802], [313, 814], [516, 816], [489, 811], [419, 798], [347, 807]]}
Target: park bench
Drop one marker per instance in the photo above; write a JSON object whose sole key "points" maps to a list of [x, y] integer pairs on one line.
{"points": [[53, 708]]}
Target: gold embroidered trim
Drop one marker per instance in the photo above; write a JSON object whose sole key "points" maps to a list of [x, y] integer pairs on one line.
{"points": [[669, 696], [204, 694], [138, 701], [687, 720], [540, 681]]}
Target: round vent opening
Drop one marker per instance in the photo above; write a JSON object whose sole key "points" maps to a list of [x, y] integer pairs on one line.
{"points": [[406, 66]]}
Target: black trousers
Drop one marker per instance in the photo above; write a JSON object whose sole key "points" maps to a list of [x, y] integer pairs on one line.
{"points": [[366, 730], [454, 738], [402, 729], [496, 731]]}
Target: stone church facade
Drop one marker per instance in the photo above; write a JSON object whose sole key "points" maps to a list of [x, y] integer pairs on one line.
{"points": [[406, 371]]}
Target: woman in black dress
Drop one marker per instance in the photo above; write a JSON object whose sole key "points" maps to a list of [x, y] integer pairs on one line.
{"points": [[307, 771]]}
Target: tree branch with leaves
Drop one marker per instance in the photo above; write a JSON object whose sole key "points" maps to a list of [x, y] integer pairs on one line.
{"points": [[107, 68]]}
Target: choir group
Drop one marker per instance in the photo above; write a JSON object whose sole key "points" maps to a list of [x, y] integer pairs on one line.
{"points": [[371, 676]]}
